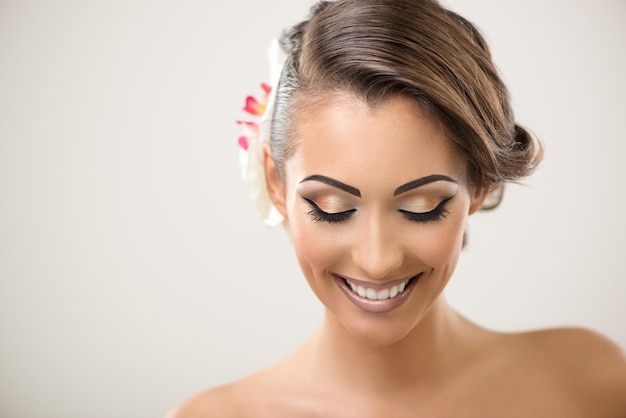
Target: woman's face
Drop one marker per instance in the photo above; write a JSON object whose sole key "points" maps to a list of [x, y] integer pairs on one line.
{"points": [[377, 201]]}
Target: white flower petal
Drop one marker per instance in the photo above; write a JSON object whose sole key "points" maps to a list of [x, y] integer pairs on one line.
{"points": [[252, 161]]}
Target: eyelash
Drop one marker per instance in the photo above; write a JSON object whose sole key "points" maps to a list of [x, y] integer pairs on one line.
{"points": [[319, 215], [437, 214]]}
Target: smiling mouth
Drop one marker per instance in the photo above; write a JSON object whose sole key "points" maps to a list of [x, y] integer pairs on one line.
{"points": [[376, 298], [370, 293]]}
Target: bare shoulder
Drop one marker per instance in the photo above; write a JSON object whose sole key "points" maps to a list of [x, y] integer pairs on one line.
{"points": [[591, 367], [217, 402], [590, 351], [252, 396]]}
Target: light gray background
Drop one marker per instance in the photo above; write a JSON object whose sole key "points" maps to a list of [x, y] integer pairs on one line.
{"points": [[134, 270]]}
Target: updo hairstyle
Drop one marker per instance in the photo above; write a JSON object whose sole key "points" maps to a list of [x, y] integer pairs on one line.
{"points": [[376, 49]]}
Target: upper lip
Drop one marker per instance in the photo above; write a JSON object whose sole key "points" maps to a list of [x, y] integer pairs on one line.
{"points": [[377, 286]]}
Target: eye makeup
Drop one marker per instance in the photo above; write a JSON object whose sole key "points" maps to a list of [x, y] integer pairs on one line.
{"points": [[320, 215], [437, 214], [423, 203]]}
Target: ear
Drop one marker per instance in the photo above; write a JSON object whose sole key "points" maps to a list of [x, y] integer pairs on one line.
{"points": [[273, 182], [478, 196]]}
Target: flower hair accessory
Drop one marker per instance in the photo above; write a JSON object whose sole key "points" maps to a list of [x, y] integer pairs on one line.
{"points": [[256, 135]]}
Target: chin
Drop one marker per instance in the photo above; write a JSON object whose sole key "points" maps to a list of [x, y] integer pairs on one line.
{"points": [[381, 330]]}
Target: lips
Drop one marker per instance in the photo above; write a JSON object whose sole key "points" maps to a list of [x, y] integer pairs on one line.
{"points": [[366, 290], [377, 298]]}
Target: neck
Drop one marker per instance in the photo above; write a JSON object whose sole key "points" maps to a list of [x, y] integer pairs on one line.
{"points": [[424, 355]]}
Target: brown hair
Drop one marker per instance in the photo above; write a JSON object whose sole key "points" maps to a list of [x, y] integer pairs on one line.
{"points": [[378, 48]]}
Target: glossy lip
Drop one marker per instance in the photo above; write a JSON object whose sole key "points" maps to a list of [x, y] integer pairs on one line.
{"points": [[377, 306]]}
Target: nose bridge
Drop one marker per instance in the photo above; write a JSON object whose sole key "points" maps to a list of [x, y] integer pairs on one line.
{"points": [[378, 250]]}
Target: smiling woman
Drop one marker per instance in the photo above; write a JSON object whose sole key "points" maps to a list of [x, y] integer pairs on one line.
{"points": [[397, 228], [390, 128]]}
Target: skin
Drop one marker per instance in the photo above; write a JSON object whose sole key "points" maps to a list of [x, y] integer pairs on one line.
{"points": [[421, 359]]}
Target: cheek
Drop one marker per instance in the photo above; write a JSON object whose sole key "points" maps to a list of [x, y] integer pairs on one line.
{"points": [[315, 252], [314, 242], [440, 245], [313, 246]]}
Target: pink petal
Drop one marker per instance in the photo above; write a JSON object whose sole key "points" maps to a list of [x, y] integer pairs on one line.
{"points": [[267, 89], [253, 106], [243, 142], [247, 124]]}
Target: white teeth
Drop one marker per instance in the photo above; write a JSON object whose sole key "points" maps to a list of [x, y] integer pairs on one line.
{"points": [[369, 293]]}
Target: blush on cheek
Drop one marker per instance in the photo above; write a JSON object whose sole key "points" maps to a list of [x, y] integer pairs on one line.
{"points": [[316, 254], [440, 245], [312, 246]]}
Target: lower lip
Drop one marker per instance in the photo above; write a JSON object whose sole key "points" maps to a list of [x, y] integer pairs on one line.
{"points": [[377, 306]]}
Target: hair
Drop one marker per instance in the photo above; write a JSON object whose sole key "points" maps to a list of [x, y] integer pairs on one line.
{"points": [[376, 49]]}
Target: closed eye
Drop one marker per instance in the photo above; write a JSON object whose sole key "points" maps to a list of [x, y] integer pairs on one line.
{"points": [[437, 214], [320, 215]]}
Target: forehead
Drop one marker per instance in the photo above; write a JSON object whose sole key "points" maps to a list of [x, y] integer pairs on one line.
{"points": [[345, 138]]}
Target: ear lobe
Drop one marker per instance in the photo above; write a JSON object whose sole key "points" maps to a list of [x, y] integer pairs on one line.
{"points": [[273, 182], [478, 198]]}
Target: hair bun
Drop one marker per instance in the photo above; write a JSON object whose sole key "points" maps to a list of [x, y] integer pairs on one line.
{"points": [[531, 150]]}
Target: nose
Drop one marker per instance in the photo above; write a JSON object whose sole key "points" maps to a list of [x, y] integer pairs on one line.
{"points": [[377, 249]]}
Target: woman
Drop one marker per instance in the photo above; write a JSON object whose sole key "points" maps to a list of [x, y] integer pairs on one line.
{"points": [[390, 128]]}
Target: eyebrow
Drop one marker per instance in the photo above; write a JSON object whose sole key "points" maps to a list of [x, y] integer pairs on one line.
{"points": [[335, 183], [402, 189], [422, 182]]}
